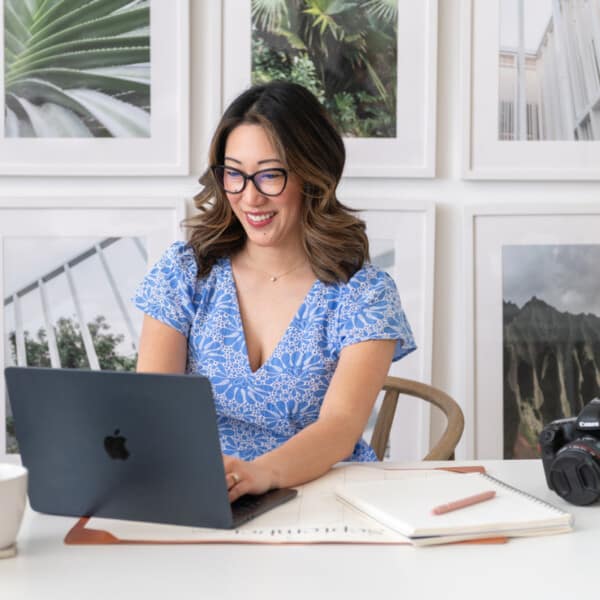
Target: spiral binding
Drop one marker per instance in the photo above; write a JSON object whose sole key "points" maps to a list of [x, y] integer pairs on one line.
{"points": [[535, 499]]}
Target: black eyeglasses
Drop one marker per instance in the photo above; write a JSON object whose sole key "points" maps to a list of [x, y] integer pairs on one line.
{"points": [[270, 182]]}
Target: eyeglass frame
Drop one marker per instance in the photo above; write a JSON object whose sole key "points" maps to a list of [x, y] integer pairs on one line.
{"points": [[250, 177]]}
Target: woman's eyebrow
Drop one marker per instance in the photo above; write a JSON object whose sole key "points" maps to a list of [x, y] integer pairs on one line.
{"points": [[260, 162], [266, 160]]}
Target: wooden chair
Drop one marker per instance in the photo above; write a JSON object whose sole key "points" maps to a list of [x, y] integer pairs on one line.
{"points": [[393, 387]]}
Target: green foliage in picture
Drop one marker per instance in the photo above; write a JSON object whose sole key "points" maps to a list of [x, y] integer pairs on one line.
{"points": [[77, 68], [71, 349], [72, 354], [343, 51], [11, 439]]}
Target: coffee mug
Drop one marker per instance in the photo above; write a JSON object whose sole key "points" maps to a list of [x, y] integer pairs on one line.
{"points": [[13, 495]]}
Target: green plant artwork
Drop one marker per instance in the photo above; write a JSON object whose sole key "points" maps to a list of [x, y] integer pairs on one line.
{"points": [[77, 68], [343, 51]]}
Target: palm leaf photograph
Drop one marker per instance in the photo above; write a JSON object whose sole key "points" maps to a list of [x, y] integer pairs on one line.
{"points": [[343, 51], [76, 68]]}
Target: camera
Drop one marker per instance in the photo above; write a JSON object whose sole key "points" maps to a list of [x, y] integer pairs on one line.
{"points": [[571, 455]]}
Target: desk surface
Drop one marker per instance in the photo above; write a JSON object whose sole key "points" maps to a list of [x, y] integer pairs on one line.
{"points": [[560, 566]]}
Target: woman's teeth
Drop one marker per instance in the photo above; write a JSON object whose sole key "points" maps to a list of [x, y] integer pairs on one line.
{"points": [[260, 218]]}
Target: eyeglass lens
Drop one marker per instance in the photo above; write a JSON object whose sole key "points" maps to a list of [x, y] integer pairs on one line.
{"points": [[267, 181]]}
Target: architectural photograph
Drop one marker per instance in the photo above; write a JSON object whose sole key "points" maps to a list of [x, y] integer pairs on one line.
{"points": [[549, 68]]}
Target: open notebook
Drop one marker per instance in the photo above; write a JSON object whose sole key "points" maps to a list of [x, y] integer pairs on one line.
{"points": [[406, 506]]}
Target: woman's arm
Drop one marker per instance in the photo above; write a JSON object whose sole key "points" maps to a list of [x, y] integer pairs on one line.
{"points": [[162, 348], [357, 380]]}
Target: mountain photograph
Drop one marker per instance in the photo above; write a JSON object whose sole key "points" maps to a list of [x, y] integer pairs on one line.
{"points": [[551, 338]]}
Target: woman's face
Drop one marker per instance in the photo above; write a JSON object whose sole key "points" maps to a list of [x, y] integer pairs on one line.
{"points": [[267, 220]]}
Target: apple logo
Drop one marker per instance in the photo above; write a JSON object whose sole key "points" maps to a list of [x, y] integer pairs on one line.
{"points": [[115, 446]]}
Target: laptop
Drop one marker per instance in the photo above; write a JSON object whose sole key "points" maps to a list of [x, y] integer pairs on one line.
{"points": [[134, 446]]}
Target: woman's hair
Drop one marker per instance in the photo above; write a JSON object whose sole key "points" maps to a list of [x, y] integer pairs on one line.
{"points": [[309, 145]]}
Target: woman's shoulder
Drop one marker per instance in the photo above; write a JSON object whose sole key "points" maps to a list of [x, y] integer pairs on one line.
{"points": [[179, 251], [369, 273], [180, 259], [369, 277], [174, 282]]}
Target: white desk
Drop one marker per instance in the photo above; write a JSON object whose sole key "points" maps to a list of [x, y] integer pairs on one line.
{"points": [[561, 566]]}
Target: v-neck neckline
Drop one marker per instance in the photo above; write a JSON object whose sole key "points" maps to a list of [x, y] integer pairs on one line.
{"points": [[240, 321]]}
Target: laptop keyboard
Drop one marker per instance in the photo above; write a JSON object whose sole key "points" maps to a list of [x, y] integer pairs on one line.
{"points": [[250, 506]]}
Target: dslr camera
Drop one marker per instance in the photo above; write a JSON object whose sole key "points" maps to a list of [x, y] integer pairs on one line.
{"points": [[571, 455]]}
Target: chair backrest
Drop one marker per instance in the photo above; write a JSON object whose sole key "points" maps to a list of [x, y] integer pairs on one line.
{"points": [[393, 387]]}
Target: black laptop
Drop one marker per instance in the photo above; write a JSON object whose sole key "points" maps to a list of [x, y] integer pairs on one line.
{"points": [[135, 446]]}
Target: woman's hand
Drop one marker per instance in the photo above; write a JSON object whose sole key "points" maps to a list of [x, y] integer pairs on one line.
{"points": [[244, 477]]}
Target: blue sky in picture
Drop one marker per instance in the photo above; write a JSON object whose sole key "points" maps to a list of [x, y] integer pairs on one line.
{"points": [[537, 15], [564, 276]]}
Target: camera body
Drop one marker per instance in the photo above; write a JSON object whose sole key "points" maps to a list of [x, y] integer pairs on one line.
{"points": [[571, 455]]}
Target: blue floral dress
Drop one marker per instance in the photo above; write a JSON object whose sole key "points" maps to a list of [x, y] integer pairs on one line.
{"points": [[258, 411]]}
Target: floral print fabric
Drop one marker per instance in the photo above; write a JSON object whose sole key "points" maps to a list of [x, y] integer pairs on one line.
{"points": [[258, 411]]}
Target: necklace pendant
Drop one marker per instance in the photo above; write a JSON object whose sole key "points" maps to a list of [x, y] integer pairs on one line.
{"points": [[273, 278]]}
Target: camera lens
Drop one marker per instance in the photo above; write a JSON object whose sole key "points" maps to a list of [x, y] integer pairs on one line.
{"points": [[575, 474]]}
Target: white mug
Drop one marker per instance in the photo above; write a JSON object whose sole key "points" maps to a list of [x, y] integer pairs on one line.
{"points": [[13, 495]]}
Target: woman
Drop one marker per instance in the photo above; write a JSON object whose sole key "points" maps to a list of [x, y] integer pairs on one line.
{"points": [[272, 298]]}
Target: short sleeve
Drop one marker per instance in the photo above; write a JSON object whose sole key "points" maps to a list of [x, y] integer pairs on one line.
{"points": [[166, 293], [371, 310]]}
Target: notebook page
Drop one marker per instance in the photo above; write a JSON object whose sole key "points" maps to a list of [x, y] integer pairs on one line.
{"points": [[405, 505]]}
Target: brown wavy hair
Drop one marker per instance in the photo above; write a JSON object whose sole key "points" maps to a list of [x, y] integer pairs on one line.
{"points": [[301, 131]]}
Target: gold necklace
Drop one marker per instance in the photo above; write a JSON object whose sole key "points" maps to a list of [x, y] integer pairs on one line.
{"points": [[275, 278]]}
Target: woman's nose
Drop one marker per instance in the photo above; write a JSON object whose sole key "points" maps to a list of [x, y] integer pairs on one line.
{"points": [[252, 195]]}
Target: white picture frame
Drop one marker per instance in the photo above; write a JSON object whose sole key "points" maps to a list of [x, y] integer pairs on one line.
{"points": [[155, 219], [485, 156], [164, 152], [403, 235], [409, 154], [486, 230]]}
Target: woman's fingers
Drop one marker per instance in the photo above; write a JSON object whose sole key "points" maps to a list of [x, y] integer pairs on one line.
{"points": [[244, 477], [238, 490], [232, 478], [238, 484]]}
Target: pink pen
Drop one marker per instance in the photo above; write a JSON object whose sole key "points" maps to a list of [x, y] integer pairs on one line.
{"points": [[463, 502]]}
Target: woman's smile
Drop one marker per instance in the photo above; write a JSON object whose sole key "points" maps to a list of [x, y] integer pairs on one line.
{"points": [[260, 219]]}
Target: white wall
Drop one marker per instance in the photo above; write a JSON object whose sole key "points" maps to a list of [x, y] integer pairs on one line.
{"points": [[447, 189]]}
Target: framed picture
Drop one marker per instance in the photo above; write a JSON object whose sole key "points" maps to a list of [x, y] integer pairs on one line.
{"points": [[402, 242], [98, 89], [533, 323], [531, 89], [373, 67], [67, 273]]}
